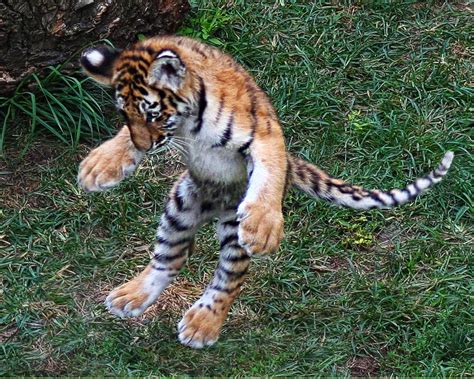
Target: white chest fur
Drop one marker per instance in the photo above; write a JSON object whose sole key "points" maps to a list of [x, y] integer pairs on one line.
{"points": [[208, 162]]}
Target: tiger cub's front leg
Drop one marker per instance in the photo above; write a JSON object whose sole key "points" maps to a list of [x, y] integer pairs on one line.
{"points": [[260, 212], [202, 323], [108, 164], [182, 217]]}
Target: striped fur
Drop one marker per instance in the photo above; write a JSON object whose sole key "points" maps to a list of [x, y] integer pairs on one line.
{"points": [[315, 182], [174, 91]]}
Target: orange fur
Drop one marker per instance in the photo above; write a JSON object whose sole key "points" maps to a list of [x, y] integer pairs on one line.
{"points": [[109, 162], [181, 72]]}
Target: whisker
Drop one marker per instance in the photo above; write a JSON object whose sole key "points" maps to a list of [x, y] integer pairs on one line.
{"points": [[181, 142], [178, 147]]}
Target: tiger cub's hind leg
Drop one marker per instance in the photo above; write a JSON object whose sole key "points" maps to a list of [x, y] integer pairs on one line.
{"points": [[202, 323], [182, 217]]}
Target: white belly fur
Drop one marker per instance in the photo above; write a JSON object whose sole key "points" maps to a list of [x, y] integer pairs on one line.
{"points": [[216, 164]]}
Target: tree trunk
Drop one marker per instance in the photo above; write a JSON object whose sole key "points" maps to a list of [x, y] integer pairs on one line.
{"points": [[39, 33]]}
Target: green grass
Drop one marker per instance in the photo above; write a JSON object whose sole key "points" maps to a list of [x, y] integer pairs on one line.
{"points": [[374, 94], [60, 104]]}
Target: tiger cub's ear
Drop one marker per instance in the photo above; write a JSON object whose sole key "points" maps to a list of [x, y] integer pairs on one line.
{"points": [[167, 70], [98, 62]]}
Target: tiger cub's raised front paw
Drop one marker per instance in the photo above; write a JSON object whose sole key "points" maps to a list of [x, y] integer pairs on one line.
{"points": [[260, 228], [108, 164]]}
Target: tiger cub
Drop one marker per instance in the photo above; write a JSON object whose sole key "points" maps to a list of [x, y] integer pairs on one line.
{"points": [[177, 91]]}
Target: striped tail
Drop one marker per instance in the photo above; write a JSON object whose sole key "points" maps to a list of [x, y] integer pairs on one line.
{"points": [[315, 182]]}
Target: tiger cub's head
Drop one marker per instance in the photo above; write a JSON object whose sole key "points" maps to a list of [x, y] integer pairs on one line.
{"points": [[151, 84]]}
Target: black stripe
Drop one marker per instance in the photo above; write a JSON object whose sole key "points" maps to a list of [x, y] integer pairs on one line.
{"points": [[227, 133], [236, 258], [178, 200], [394, 200], [134, 58], [148, 49], [357, 196], [159, 268], [253, 108], [164, 241], [428, 178], [315, 179], [219, 111], [202, 106], [196, 49], [233, 223], [343, 188], [174, 222], [232, 274], [132, 70], [168, 258], [253, 126], [235, 246], [245, 146], [140, 80], [161, 93], [437, 174], [142, 68], [142, 90], [376, 197], [207, 206], [170, 125], [219, 276], [250, 163], [409, 196], [172, 102], [222, 289], [269, 127], [418, 189], [230, 238], [121, 76]]}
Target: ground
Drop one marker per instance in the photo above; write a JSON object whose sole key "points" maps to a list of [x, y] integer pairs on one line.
{"points": [[372, 93]]}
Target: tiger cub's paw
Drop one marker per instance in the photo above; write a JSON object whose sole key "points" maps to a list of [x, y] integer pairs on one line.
{"points": [[202, 324], [108, 164], [260, 228], [134, 297]]}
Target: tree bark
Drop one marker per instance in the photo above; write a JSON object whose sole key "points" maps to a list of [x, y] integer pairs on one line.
{"points": [[35, 34]]}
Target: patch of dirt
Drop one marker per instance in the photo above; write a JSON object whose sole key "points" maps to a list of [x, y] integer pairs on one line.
{"points": [[365, 366], [463, 6], [44, 363], [96, 231], [390, 236], [337, 263], [242, 316], [88, 294], [331, 264], [20, 176], [460, 50], [7, 334], [177, 298]]}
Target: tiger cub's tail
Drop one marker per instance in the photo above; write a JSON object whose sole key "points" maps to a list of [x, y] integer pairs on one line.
{"points": [[316, 182]]}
